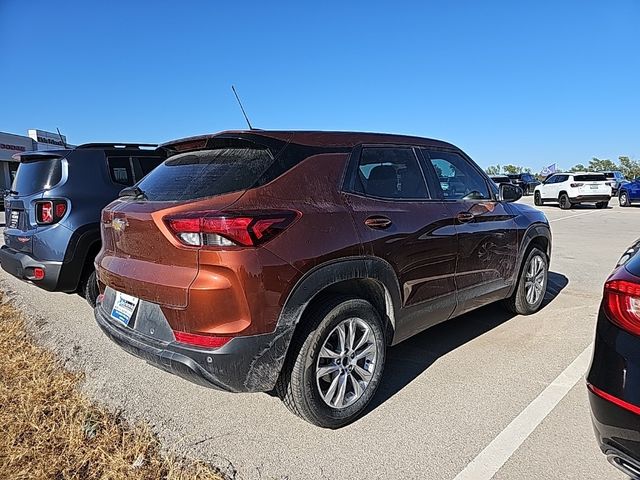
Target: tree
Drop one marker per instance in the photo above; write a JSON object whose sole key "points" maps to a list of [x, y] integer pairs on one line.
{"points": [[629, 168], [527, 170], [512, 169], [493, 170], [578, 168], [599, 165]]}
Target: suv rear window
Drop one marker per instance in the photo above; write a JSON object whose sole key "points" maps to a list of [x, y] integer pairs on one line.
{"points": [[37, 175], [589, 178], [205, 173]]}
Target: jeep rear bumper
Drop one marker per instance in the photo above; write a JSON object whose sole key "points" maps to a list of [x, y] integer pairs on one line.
{"points": [[21, 266], [244, 364], [590, 198]]}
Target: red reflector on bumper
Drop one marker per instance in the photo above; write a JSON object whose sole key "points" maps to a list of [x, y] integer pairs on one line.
{"points": [[38, 273], [200, 340], [615, 400]]}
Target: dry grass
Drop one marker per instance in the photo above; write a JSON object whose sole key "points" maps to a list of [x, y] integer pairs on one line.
{"points": [[50, 430]]}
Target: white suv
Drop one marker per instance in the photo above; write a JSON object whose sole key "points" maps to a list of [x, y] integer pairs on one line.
{"points": [[570, 189]]}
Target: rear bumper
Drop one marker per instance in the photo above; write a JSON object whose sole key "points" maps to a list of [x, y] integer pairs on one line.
{"points": [[618, 433], [19, 265], [244, 364], [590, 198], [615, 369]]}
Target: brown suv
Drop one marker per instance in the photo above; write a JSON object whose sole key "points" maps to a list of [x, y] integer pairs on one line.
{"points": [[256, 260]]}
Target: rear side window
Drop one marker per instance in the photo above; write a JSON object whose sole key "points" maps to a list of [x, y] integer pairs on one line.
{"points": [[120, 170], [589, 178], [148, 163], [385, 172], [205, 173], [36, 175]]}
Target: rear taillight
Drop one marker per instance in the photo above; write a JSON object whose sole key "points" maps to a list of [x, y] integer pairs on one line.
{"points": [[622, 304], [50, 211], [214, 229], [576, 185]]}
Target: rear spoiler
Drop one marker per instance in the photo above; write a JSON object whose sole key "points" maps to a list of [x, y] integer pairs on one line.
{"points": [[39, 155], [43, 154], [136, 146]]}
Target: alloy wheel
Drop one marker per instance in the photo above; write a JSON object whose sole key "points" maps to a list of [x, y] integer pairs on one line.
{"points": [[346, 363], [623, 199], [534, 280]]}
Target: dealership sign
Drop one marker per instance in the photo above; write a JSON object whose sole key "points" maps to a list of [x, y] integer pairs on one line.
{"points": [[12, 144], [48, 138]]}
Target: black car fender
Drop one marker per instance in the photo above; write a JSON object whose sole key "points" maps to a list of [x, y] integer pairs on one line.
{"points": [[83, 240]]}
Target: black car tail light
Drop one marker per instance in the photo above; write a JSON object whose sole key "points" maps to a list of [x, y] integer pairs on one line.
{"points": [[622, 304], [50, 211], [215, 229]]}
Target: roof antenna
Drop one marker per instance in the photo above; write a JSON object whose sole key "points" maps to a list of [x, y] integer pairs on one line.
{"points": [[61, 139], [241, 107]]}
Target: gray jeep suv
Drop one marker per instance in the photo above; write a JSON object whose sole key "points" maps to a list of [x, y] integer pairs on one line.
{"points": [[52, 232]]}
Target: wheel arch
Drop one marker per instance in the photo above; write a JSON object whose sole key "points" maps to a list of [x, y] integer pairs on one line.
{"points": [[537, 235], [83, 242], [369, 277]]}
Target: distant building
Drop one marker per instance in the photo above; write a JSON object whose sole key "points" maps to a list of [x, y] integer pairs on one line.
{"points": [[10, 144]]}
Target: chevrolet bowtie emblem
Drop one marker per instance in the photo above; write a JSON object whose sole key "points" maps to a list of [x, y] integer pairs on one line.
{"points": [[119, 224]]}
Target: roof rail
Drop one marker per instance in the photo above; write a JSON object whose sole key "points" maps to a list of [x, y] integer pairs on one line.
{"points": [[117, 145]]}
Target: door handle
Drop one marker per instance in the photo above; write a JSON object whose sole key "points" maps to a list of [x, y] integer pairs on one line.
{"points": [[378, 222], [465, 217]]}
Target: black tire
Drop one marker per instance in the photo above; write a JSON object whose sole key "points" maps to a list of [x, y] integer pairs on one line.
{"points": [[564, 202], [298, 386], [90, 289], [518, 302], [623, 199], [601, 205], [537, 199]]}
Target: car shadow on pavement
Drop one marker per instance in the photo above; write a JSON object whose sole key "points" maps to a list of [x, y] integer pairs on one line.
{"points": [[409, 359]]}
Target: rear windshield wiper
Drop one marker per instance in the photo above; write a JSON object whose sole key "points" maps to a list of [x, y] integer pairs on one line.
{"points": [[134, 191]]}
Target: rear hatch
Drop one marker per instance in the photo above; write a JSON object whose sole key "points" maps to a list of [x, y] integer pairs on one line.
{"points": [[141, 255], [591, 184], [37, 172]]}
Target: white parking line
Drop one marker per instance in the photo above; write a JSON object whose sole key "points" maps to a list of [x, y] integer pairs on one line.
{"points": [[573, 216], [495, 455]]}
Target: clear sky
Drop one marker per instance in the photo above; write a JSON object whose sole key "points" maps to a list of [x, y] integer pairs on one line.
{"points": [[529, 83]]}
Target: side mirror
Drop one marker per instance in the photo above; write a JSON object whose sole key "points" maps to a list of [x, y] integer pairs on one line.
{"points": [[510, 193]]}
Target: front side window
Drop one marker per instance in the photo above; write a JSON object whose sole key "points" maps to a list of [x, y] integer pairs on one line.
{"points": [[458, 179], [390, 172]]}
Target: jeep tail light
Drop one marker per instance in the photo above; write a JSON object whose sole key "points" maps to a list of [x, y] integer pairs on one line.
{"points": [[200, 340], [50, 211], [215, 229], [622, 304], [576, 185]]}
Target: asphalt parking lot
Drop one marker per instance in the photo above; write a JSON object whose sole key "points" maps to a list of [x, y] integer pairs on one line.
{"points": [[487, 395]]}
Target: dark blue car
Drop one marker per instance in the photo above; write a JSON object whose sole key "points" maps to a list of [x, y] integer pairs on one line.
{"points": [[629, 193], [52, 232]]}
